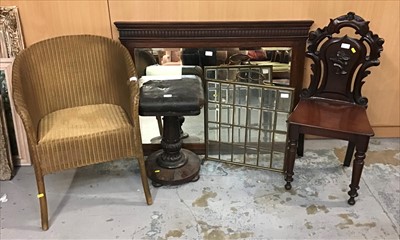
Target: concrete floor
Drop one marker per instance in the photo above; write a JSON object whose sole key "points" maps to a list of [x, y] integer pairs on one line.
{"points": [[106, 201]]}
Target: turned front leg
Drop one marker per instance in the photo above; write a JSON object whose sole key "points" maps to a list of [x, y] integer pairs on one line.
{"points": [[358, 165], [291, 156]]}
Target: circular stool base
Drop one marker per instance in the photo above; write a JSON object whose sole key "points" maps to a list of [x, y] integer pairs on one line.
{"points": [[173, 176]]}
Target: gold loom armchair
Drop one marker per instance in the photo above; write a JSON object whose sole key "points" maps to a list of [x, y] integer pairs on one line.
{"points": [[78, 106]]}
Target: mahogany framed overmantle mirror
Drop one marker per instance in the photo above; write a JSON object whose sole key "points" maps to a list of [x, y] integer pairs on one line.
{"points": [[159, 37]]}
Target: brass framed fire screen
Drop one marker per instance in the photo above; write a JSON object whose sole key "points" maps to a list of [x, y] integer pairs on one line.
{"points": [[246, 117]]}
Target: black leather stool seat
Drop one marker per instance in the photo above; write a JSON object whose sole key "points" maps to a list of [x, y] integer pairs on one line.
{"points": [[171, 97]]}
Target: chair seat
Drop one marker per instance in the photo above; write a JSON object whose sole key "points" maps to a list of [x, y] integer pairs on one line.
{"points": [[332, 115], [82, 121], [67, 136], [171, 96]]}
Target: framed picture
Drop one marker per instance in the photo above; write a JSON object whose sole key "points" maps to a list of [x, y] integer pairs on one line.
{"points": [[11, 39], [6, 161], [16, 130]]}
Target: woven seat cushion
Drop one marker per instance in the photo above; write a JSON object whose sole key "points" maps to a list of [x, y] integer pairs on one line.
{"points": [[77, 136]]}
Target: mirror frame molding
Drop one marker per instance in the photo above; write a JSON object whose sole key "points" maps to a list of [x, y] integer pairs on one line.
{"points": [[242, 34]]}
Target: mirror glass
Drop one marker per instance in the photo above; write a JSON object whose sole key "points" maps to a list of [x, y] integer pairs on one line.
{"points": [[256, 65]]}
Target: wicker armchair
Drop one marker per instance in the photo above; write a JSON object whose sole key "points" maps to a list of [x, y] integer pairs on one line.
{"points": [[78, 106]]}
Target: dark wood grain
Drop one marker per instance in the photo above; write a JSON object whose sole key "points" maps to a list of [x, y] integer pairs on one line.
{"points": [[333, 106]]}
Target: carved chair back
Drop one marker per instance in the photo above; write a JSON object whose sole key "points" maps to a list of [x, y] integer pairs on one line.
{"points": [[340, 63]]}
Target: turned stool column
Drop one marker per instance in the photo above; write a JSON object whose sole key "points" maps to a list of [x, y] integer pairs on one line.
{"points": [[172, 98]]}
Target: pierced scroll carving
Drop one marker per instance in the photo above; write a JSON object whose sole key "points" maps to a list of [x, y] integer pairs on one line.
{"points": [[340, 62], [321, 39]]}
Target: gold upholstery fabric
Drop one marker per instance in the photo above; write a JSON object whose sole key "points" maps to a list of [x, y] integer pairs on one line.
{"points": [[77, 104], [103, 128]]}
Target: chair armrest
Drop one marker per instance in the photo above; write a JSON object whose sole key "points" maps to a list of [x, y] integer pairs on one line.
{"points": [[134, 113], [134, 101], [29, 116]]}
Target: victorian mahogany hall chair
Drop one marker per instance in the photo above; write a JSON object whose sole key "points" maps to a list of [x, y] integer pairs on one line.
{"points": [[78, 106], [333, 106]]}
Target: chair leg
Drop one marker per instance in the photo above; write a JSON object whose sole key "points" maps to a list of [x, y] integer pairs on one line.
{"points": [[358, 164], [145, 181], [349, 154], [300, 145], [42, 199], [291, 155]]}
